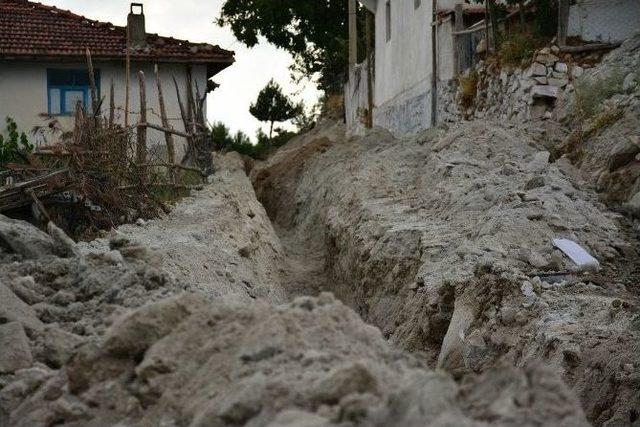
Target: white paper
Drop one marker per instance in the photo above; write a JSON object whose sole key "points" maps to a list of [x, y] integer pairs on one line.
{"points": [[577, 254]]}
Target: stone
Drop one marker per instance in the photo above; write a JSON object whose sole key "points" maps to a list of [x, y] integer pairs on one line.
{"points": [[59, 345], [558, 82], [633, 205], [535, 182], [545, 51], [547, 59], [538, 69], [63, 245], [541, 80], [541, 91], [13, 309], [622, 154], [24, 287], [577, 71], [342, 381], [561, 67], [539, 162], [629, 82], [24, 238], [15, 353]]}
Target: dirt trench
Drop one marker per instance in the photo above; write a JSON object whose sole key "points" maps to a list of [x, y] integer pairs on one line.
{"points": [[442, 241]]}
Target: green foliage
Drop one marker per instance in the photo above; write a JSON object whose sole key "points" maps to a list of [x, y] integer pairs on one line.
{"points": [[240, 142], [273, 106], [468, 89], [15, 147], [591, 92], [314, 32]]}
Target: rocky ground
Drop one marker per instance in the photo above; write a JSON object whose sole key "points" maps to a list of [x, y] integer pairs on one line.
{"points": [[364, 281]]}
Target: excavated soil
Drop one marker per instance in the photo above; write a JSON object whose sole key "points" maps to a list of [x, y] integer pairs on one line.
{"points": [[363, 281]]}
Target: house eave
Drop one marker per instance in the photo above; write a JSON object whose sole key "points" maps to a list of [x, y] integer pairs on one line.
{"points": [[371, 5]]}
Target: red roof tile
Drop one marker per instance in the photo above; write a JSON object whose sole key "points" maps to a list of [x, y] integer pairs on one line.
{"points": [[36, 31]]}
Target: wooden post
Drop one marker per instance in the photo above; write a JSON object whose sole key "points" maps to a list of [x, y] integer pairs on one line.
{"points": [[370, 60], [92, 85], [77, 127], [185, 121], [494, 25], [486, 28], [523, 19], [165, 123], [563, 22], [459, 39], [353, 37], [127, 70], [141, 146], [112, 105], [191, 106]]}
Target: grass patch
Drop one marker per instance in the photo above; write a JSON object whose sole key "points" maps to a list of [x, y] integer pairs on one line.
{"points": [[516, 48], [468, 89], [590, 92]]}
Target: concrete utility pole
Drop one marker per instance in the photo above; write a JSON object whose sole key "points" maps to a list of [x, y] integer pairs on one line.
{"points": [[353, 37]]}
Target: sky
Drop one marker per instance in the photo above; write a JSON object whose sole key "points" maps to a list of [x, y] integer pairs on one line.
{"points": [[193, 20]]}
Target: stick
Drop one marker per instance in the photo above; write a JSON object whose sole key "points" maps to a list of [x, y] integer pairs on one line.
{"points": [[92, 84], [190, 102], [38, 203], [127, 82], [163, 129], [165, 123], [141, 147], [112, 106]]}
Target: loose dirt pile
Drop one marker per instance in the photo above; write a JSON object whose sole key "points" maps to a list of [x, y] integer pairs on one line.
{"points": [[77, 351], [444, 241]]}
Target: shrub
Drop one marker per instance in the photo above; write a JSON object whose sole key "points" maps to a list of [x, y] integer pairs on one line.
{"points": [[15, 147], [468, 89], [516, 48], [591, 92]]}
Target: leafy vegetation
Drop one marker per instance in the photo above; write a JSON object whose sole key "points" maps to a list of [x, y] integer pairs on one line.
{"points": [[274, 106], [516, 48], [15, 146], [314, 32], [468, 89]]}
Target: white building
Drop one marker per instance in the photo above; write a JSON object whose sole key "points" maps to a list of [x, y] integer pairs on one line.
{"points": [[405, 77], [43, 66]]}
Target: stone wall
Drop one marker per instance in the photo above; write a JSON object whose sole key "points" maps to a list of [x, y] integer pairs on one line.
{"points": [[538, 91]]}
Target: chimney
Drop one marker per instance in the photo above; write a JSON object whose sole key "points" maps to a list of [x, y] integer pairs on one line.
{"points": [[135, 27]]}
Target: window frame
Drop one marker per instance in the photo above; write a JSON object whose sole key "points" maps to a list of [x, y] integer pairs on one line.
{"points": [[417, 4], [63, 89]]}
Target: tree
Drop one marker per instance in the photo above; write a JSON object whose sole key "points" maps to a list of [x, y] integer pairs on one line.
{"points": [[273, 106], [314, 32]]}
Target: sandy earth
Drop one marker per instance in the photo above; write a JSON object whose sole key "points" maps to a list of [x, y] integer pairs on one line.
{"points": [[364, 281]]}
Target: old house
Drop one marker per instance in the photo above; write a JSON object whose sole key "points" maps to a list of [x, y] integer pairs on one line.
{"points": [[421, 45], [43, 67]]}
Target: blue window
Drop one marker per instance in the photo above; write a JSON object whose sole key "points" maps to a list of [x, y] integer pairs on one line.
{"points": [[65, 88]]}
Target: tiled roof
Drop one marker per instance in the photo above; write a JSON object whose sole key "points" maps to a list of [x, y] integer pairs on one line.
{"points": [[36, 31]]}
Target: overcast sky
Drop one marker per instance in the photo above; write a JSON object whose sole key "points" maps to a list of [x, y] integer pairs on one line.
{"points": [[194, 20]]}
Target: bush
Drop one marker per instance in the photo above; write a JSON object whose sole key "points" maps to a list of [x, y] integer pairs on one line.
{"points": [[468, 89], [516, 48], [590, 92], [15, 147]]}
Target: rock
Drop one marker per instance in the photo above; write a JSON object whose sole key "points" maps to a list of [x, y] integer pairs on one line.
{"points": [[558, 82], [577, 71], [630, 82], [59, 346], [13, 309], [63, 245], [342, 381], [539, 163], [24, 287], [542, 91], [535, 182], [547, 59], [633, 205], [541, 80], [15, 353], [622, 154], [538, 69], [25, 239], [561, 67], [141, 222], [298, 418]]}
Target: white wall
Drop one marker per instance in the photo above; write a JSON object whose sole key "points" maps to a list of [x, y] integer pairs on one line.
{"points": [[604, 20], [23, 93], [403, 67]]}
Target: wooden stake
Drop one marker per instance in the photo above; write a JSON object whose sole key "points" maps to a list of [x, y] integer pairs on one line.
{"points": [[127, 68], [165, 123], [141, 147], [191, 106], [112, 105], [368, 26], [563, 22], [185, 121], [353, 37], [92, 84]]}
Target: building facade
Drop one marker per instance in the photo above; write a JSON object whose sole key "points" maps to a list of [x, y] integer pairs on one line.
{"points": [[43, 67]]}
